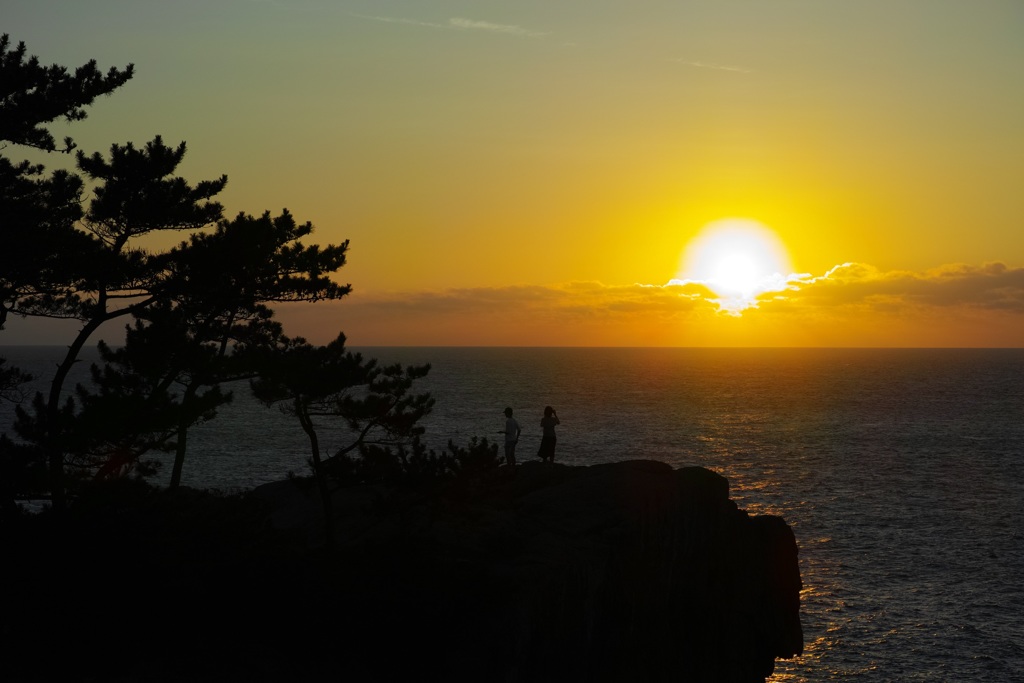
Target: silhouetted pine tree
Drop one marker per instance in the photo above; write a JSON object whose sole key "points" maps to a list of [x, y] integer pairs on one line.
{"points": [[199, 310], [375, 403], [212, 317], [42, 248]]}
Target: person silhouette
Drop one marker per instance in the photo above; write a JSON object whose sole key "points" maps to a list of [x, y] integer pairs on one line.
{"points": [[511, 433], [547, 439]]}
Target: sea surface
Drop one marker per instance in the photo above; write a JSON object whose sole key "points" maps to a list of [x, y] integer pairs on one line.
{"points": [[901, 472]]}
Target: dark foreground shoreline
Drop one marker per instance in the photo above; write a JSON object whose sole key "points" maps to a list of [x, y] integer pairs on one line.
{"points": [[625, 571]]}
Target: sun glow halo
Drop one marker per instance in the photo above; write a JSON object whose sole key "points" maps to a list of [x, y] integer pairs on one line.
{"points": [[737, 259]]}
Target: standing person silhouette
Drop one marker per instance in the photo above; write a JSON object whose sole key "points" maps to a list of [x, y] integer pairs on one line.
{"points": [[547, 439], [511, 433]]}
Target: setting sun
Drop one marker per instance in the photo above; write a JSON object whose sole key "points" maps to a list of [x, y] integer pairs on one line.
{"points": [[735, 273], [738, 259]]}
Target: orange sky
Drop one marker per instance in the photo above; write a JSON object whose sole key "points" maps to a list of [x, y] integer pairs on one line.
{"points": [[532, 173]]}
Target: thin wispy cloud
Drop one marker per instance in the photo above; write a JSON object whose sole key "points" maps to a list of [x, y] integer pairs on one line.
{"points": [[399, 20], [511, 29], [711, 65], [458, 24]]}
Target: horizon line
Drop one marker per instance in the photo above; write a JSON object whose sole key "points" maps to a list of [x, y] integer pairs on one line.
{"points": [[659, 346]]}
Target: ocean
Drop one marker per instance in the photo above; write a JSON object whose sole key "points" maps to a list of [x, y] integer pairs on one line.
{"points": [[900, 471]]}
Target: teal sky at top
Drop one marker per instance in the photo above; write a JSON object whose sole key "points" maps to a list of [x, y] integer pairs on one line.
{"points": [[486, 142]]}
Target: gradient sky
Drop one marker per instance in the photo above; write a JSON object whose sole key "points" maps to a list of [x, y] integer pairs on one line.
{"points": [[532, 172]]}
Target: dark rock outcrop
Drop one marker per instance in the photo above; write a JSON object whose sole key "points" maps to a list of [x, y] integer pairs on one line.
{"points": [[624, 571], [629, 571]]}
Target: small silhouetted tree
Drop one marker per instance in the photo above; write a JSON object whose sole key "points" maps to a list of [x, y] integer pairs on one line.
{"points": [[375, 403], [19, 465], [412, 464], [12, 380], [135, 403]]}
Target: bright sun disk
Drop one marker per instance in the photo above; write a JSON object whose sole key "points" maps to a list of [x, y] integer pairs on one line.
{"points": [[737, 259], [736, 273]]}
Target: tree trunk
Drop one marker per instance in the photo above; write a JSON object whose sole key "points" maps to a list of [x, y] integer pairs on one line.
{"points": [[53, 447], [52, 441], [302, 411], [182, 439]]}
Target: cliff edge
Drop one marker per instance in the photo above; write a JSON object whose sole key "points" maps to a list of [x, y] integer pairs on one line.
{"points": [[629, 571], [622, 571]]}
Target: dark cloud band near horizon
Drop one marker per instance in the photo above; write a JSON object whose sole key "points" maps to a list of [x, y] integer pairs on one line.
{"points": [[988, 286], [852, 304]]}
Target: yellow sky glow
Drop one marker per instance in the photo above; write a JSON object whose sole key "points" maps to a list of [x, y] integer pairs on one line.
{"points": [[534, 173]]}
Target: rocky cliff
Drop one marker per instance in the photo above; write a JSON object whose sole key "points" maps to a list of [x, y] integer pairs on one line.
{"points": [[629, 571]]}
